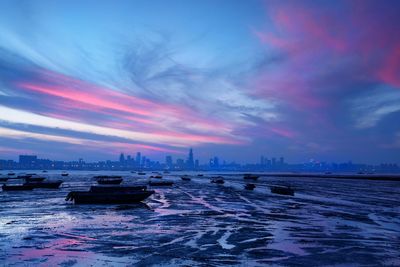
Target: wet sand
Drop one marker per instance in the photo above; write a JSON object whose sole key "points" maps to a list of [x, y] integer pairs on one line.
{"points": [[196, 223]]}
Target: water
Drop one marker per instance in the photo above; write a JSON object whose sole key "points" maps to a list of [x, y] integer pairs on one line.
{"points": [[328, 222]]}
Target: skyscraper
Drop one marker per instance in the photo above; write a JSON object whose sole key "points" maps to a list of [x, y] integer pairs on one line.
{"points": [[122, 158], [138, 158], [190, 160], [168, 162]]}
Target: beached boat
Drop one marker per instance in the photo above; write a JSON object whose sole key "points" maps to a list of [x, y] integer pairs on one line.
{"points": [[249, 176], [34, 179], [249, 186], [16, 187], [107, 176], [80, 197], [282, 190], [47, 184], [161, 183], [109, 180], [24, 176], [218, 180], [108, 189], [185, 178]]}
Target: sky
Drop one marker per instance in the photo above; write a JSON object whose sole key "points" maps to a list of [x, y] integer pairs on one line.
{"points": [[238, 79]]}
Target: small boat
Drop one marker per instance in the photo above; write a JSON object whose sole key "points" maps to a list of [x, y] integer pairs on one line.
{"points": [[34, 179], [200, 175], [48, 184], [24, 176], [108, 189], [249, 176], [218, 180], [82, 197], [3, 179], [161, 183], [16, 187], [107, 176], [141, 173], [11, 173], [44, 171], [108, 180], [64, 174], [185, 178], [156, 176], [249, 186], [282, 190]]}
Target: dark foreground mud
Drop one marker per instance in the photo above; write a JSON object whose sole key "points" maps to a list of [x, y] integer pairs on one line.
{"points": [[196, 223]]}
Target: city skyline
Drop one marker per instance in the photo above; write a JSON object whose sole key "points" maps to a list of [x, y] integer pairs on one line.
{"points": [[239, 79], [140, 161]]}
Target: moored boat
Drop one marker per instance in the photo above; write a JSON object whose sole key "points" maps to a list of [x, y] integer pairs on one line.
{"points": [[109, 180], [141, 173], [156, 176], [16, 187], [107, 189], [282, 190], [47, 184], [249, 176], [11, 173], [249, 186], [34, 179], [64, 174], [185, 178], [218, 180]]}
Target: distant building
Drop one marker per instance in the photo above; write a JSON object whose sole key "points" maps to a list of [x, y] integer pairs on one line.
{"points": [[168, 162], [138, 159], [190, 160], [122, 158], [27, 161]]}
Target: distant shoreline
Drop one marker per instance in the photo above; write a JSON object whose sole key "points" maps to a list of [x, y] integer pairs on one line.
{"points": [[375, 177]]}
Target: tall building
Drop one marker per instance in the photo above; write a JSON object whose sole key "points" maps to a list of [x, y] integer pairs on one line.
{"points": [[138, 159], [168, 162], [122, 158], [190, 160], [27, 160]]}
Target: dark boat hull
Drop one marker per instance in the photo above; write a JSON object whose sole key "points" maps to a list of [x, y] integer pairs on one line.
{"points": [[109, 181], [251, 177], [16, 187], [281, 190], [108, 198], [52, 185], [34, 179], [108, 189], [249, 186], [185, 178], [3, 179]]}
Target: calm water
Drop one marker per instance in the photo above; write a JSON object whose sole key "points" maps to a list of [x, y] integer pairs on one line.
{"points": [[196, 223]]}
